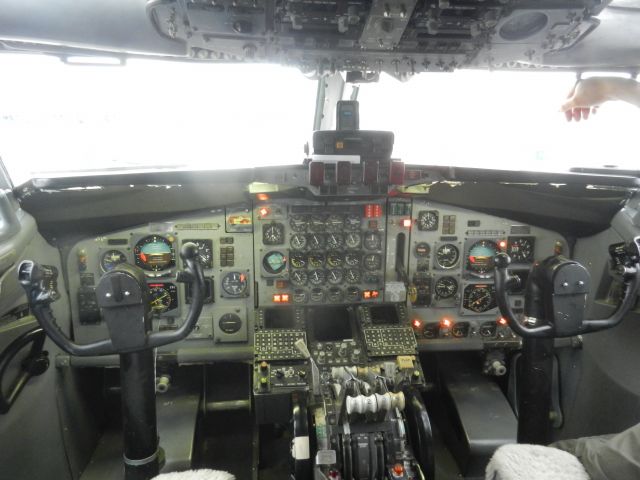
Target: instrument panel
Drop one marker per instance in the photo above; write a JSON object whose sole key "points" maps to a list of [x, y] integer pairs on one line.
{"points": [[435, 260], [314, 253]]}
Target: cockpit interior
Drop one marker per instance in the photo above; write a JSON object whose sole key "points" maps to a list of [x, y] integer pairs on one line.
{"points": [[349, 317]]}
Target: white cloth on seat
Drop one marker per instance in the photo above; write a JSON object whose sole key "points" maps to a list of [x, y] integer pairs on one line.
{"points": [[203, 474], [534, 462]]}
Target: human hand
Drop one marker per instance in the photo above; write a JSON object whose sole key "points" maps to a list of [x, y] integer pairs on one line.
{"points": [[587, 95]]}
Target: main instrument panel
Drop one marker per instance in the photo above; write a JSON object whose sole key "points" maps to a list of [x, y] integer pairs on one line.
{"points": [[433, 260]]}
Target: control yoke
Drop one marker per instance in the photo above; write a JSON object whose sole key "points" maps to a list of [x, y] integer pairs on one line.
{"points": [[123, 297], [556, 295]]}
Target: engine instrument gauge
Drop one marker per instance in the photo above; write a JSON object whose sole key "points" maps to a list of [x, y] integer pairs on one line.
{"points": [[334, 259], [446, 287], [335, 241], [235, 284], [423, 249], [317, 295], [299, 277], [317, 223], [335, 223], [317, 277], [352, 294], [521, 249], [298, 259], [428, 220], [298, 241], [315, 241], [154, 253], [111, 258], [298, 223], [480, 258], [300, 296], [372, 261], [273, 234], [352, 275], [372, 241], [205, 251], [352, 259], [335, 276], [479, 298], [447, 256], [335, 295], [353, 240], [316, 260], [164, 297], [352, 222], [274, 262]]}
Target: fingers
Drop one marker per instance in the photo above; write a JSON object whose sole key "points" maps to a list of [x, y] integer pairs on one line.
{"points": [[579, 113]]}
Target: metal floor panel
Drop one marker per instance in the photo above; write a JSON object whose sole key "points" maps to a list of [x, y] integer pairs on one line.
{"points": [[177, 416]]}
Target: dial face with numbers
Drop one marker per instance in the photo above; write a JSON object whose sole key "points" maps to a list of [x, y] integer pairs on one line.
{"points": [[299, 277], [353, 240], [446, 287], [315, 241], [298, 260], [317, 277], [335, 241], [335, 276], [298, 223], [273, 234], [334, 223], [205, 251], [521, 249], [334, 259], [372, 241], [352, 222], [428, 220], [447, 256], [298, 241]]}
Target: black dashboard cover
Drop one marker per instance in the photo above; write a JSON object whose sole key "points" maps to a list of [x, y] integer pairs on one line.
{"points": [[369, 144]]}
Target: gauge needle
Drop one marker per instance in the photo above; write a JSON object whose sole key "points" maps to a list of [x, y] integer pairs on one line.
{"points": [[480, 299]]}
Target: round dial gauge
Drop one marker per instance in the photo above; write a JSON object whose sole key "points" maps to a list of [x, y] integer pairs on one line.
{"points": [[298, 241], [352, 275], [446, 287], [299, 277], [480, 259], [317, 277], [521, 249], [352, 222], [372, 241], [298, 260], [315, 260], [164, 297], [317, 295], [317, 224], [352, 259], [353, 240], [234, 284], [205, 251], [315, 241], [423, 249], [428, 220], [111, 258], [334, 259], [479, 298], [335, 276], [154, 253], [352, 294], [298, 223], [335, 241], [274, 262], [299, 296], [335, 295], [372, 261], [447, 256], [335, 223], [273, 234]]}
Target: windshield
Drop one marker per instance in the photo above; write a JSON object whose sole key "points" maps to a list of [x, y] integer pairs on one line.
{"points": [[62, 119]]}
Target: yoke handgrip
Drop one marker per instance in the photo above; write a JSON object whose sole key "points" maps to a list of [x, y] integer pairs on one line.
{"points": [[39, 284], [504, 283]]}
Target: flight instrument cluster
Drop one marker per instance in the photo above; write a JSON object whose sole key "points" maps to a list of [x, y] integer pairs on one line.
{"points": [[433, 260]]}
